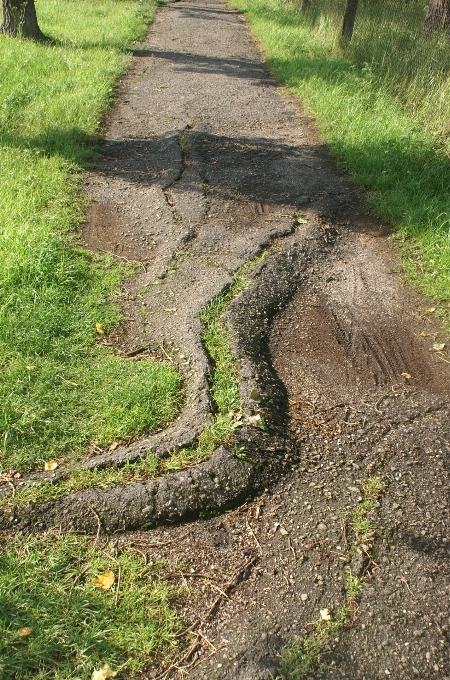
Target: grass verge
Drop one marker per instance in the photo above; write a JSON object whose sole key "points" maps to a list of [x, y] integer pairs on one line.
{"points": [[304, 659], [56, 623], [224, 385], [392, 150], [59, 390]]}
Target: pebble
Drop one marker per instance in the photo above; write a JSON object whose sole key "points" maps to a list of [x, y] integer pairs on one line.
{"points": [[322, 528], [304, 597]]}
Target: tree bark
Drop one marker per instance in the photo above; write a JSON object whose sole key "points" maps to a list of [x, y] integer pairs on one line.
{"points": [[349, 19], [20, 20], [438, 16]]}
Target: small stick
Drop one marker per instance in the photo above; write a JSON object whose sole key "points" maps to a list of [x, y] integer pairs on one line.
{"points": [[253, 533], [165, 353], [116, 599], [140, 553], [206, 640], [194, 664], [174, 666], [344, 533], [403, 580], [99, 525], [292, 549], [442, 359], [187, 630], [219, 590]]}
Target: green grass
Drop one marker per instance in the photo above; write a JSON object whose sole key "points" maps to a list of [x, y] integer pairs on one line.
{"points": [[59, 390], [46, 586], [224, 386], [398, 151]]}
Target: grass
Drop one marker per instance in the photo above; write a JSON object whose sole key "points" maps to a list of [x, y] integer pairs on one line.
{"points": [[367, 109], [59, 390], [301, 660], [55, 624], [224, 386]]}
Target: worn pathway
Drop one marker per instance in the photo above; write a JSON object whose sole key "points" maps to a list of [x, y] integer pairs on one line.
{"points": [[207, 162]]}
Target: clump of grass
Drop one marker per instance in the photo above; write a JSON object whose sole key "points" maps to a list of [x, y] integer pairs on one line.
{"points": [[398, 153], [300, 660], [59, 391], [55, 624]]}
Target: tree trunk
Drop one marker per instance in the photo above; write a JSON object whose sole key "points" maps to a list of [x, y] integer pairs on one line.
{"points": [[438, 16], [19, 20], [349, 19]]}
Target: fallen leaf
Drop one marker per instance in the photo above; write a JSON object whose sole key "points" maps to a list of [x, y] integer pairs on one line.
{"points": [[113, 446], [50, 465], [301, 220], [253, 420], [255, 395], [325, 614], [439, 346], [283, 532], [99, 328], [424, 335], [430, 310], [104, 581], [104, 673], [407, 376], [30, 368], [24, 632]]}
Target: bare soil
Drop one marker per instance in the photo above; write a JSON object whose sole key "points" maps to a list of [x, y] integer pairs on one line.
{"points": [[206, 162]]}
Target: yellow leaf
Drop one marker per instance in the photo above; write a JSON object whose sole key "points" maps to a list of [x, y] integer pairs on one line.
{"points": [[325, 614], [439, 346], [255, 395], [301, 220], [104, 673], [31, 368], [424, 335], [104, 581], [100, 329], [430, 310], [407, 376], [24, 632], [50, 465]]}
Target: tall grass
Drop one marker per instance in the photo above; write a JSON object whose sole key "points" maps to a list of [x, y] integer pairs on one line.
{"points": [[368, 112], [59, 391]]}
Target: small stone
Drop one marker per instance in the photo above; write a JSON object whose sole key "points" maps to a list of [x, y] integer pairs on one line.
{"points": [[322, 528], [304, 597]]}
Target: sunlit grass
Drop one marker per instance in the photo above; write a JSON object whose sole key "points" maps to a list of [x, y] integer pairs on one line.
{"points": [[59, 391], [398, 152], [56, 625]]}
